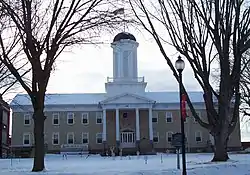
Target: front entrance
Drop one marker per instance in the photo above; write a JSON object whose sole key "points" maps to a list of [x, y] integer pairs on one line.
{"points": [[127, 139]]}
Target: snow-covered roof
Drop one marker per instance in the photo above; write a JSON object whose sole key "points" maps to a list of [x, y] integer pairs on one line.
{"points": [[95, 98], [173, 97]]}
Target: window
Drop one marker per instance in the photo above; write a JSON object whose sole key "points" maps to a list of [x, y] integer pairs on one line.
{"points": [[199, 114], [55, 138], [99, 118], [99, 138], [26, 139], [85, 118], [185, 119], [27, 119], [85, 138], [70, 118], [169, 136], [169, 117], [125, 115], [55, 119], [155, 117], [156, 137], [198, 136], [70, 138]]}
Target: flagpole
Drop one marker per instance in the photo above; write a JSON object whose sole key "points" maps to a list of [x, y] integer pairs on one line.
{"points": [[124, 23]]}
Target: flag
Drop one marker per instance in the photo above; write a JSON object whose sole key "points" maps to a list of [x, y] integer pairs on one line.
{"points": [[183, 106], [118, 11]]}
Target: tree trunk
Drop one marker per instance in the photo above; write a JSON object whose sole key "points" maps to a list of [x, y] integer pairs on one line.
{"points": [[220, 143], [39, 140]]}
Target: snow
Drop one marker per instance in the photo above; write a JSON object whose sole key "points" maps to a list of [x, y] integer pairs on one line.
{"points": [[61, 99], [197, 164], [95, 98], [173, 97]]}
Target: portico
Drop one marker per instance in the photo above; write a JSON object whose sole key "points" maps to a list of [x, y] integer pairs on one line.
{"points": [[127, 118], [119, 130]]}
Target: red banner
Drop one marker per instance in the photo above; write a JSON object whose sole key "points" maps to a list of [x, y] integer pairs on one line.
{"points": [[183, 106]]}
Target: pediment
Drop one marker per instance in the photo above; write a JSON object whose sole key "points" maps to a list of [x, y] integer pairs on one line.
{"points": [[126, 98]]}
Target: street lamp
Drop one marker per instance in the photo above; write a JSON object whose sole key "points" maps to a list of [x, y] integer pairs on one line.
{"points": [[180, 65]]}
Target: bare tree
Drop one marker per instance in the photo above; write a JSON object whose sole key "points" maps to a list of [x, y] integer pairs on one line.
{"points": [[204, 31], [44, 30], [245, 84], [8, 82]]}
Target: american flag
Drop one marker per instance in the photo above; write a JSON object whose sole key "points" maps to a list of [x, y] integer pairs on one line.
{"points": [[119, 11]]}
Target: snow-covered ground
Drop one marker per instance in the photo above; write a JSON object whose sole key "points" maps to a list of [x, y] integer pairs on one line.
{"points": [[197, 164]]}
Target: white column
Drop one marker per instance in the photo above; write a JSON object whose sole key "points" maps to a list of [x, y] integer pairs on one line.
{"points": [[104, 126], [137, 121], [121, 63], [150, 124], [117, 125]]}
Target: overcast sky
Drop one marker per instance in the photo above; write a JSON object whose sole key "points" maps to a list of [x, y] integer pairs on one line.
{"points": [[86, 69]]}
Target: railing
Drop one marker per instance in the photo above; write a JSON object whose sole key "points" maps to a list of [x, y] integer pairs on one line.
{"points": [[127, 79]]}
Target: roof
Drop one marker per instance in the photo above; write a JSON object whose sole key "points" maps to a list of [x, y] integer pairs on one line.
{"points": [[173, 97], [95, 98], [124, 35]]}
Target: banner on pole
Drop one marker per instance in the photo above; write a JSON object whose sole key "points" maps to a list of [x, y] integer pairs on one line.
{"points": [[183, 106]]}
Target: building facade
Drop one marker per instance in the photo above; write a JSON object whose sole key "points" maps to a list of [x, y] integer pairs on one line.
{"points": [[125, 116], [4, 128]]}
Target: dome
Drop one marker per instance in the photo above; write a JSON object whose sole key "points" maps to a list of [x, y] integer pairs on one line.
{"points": [[124, 35]]}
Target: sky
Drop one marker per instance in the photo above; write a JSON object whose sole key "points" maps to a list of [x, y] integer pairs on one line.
{"points": [[86, 69]]}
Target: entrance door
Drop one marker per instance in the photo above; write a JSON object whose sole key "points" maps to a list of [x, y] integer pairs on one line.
{"points": [[127, 139]]}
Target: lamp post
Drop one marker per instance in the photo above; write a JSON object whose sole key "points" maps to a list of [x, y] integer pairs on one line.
{"points": [[180, 65]]}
